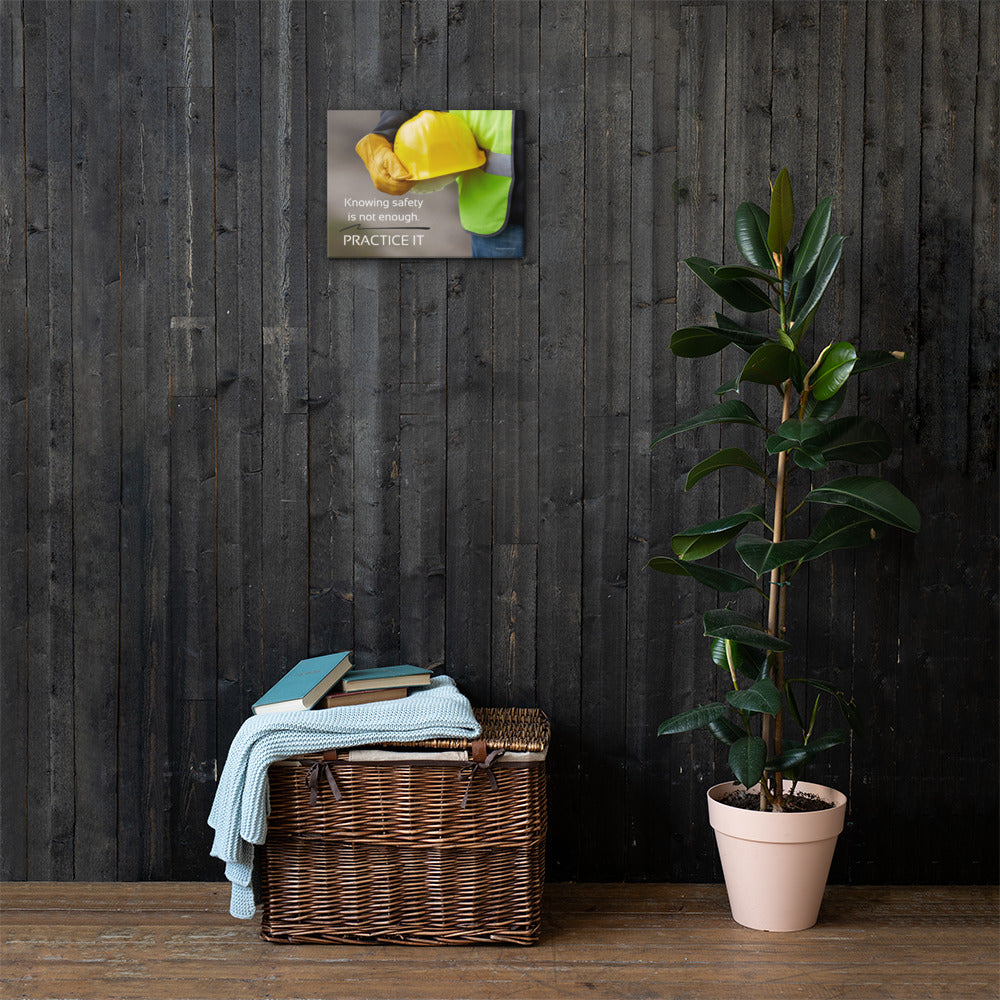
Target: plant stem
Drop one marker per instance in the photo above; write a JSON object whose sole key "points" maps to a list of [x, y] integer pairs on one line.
{"points": [[729, 660], [776, 599]]}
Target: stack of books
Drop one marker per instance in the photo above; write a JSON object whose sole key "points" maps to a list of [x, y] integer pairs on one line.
{"points": [[330, 681]]}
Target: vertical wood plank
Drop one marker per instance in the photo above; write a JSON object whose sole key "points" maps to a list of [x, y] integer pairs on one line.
{"points": [[748, 169], [422, 367], [48, 150], [827, 649], [515, 382], [193, 512], [191, 199], [375, 355], [889, 321], [984, 364], [468, 601], [560, 416], [794, 102], [146, 655], [655, 37], [331, 83], [239, 362], [14, 734], [752, 102], [193, 621], [607, 264], [284, 276], [939, 454], [700, 196], [983, 416], [96, 315]]}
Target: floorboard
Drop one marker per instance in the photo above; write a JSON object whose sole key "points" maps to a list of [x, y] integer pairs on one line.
{"points": [[118, 941]]}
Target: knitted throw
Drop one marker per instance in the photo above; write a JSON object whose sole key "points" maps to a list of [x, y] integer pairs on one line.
{"points": [[239, 812]]}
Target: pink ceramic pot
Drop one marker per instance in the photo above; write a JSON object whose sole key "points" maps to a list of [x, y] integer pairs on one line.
{"points": [[776, 864]]}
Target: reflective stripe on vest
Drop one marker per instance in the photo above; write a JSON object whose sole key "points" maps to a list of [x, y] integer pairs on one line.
{"points": [[484, 194], [499, 164]]}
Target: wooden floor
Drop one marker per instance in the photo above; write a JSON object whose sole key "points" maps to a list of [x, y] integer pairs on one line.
{"points": [[168, 940]]}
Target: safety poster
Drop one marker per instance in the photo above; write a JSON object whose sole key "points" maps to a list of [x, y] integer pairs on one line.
{"points": [[425, 183]]}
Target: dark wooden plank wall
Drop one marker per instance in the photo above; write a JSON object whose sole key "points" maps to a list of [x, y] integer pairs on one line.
{"points": [[222, 452]]}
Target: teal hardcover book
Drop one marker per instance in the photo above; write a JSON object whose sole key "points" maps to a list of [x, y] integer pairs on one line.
{"points": [[304, 684], [403, 675]]}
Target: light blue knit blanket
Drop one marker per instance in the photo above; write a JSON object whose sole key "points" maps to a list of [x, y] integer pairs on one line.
{"points": [[239, 812]]}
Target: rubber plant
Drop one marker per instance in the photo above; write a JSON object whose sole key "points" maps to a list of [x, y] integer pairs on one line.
{"points": [[790, 281]]}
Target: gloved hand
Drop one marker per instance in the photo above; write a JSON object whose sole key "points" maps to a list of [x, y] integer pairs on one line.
{"points": [[386, 169]]}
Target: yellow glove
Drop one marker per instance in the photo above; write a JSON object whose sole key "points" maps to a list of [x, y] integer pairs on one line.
{"points": [[386, 169]]}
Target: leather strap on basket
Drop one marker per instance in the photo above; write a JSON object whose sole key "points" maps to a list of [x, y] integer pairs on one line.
{"points": [[477, 765], [312, 781]]}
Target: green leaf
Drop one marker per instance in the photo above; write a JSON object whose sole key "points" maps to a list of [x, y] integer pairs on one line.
{"points": [[823, 409], [834, 738], [872, 496], [834, 370], [793, 756], [761, 555], [697, 342], [847, 706], [813, 237], [859, 440], [724, 731], [731, 272], [869, 360], [750, 662], [751, 234], [732, 411], [717, 579], [763, 697], [779, 230], [702, 341], [794, 432], [731, 326], [733, 385], [741, 294], [723, 623], [801, 290], [802, 437], [746, 758], [694, 718], [725, 459], [798, 325], [743, 337], [829, 258], [809, 457], [840, 528], [772, 364], [704, 539], [793, 706]]}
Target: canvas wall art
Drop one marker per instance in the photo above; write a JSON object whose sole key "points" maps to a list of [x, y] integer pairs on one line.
{"points": [[425, 183]]}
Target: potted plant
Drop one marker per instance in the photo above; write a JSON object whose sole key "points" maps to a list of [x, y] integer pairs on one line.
{"points": [[768, 719]]}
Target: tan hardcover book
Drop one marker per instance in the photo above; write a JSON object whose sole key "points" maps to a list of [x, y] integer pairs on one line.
{"points": [[339, 698]]}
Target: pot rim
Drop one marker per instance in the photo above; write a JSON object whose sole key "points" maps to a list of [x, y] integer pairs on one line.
{"points": [[770, 827]]}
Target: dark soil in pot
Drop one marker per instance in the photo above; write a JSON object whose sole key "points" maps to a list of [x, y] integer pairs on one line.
{"points": [[797, 803]]}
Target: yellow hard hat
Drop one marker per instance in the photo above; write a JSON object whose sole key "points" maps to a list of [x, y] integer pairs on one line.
{"points": [[435, 143]]}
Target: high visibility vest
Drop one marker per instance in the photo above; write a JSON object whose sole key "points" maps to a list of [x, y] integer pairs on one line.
{"points": [[484, 195]]}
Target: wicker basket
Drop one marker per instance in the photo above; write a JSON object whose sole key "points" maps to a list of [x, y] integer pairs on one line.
{"points": [[413, 851]]}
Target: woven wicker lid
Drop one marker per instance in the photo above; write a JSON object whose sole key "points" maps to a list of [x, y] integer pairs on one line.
{"points": [[524, 730]]}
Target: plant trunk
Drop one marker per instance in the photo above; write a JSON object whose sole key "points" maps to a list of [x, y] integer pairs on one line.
{"points": [[776, 610]]}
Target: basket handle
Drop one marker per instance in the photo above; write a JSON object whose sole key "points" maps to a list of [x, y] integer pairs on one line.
{"points": [[312, 781], [475, 766]]}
